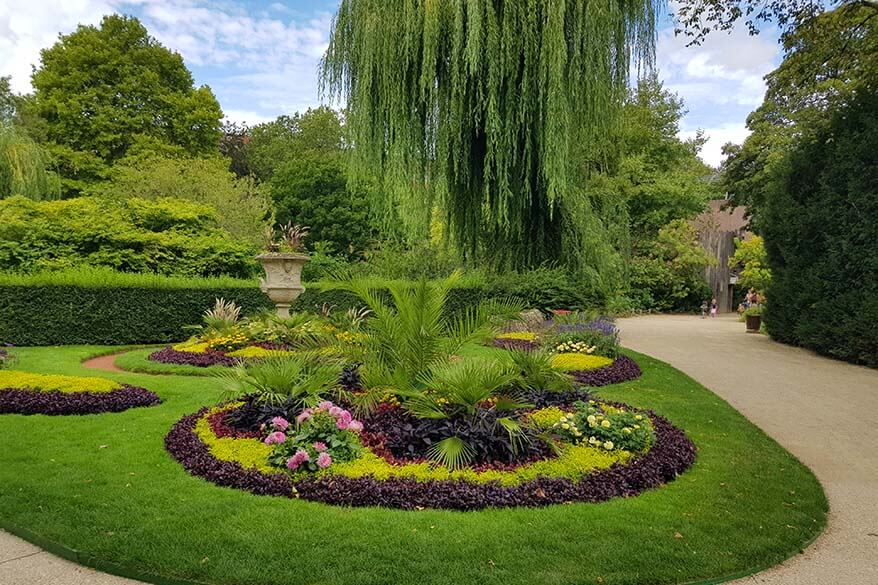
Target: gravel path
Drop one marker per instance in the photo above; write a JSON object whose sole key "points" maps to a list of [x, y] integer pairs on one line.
{"points": [[821, 410]]}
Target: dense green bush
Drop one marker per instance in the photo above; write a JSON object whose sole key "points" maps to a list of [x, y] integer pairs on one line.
{"points": [[102, 307], [165, 236], [821, 236]]}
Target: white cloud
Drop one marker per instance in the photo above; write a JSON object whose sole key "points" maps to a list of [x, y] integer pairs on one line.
{"points": [[711, 153], [246, 117], [28, 26]]}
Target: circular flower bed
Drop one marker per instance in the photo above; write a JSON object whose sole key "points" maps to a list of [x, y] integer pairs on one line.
{"points": [[26, 393], [201, 356], [284, 459]]}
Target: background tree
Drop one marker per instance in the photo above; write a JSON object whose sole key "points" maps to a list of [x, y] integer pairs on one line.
{"points": [[100, 90], [243, 208], [697, 18], [270, 145], [25, 167], [312, 190], [233, 145], [474, 107], [752, 260], [8, 101], [827, 65]]}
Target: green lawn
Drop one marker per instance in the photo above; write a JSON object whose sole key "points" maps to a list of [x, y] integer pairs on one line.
{"points": [[103, 485]]}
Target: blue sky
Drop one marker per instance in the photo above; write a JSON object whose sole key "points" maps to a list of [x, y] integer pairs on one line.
{"points": [[260, 56]]}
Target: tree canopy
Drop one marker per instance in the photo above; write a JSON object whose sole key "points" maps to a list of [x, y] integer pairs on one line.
{"points": [[828, 64], [100, 91], [475, 107], [697, 18]]}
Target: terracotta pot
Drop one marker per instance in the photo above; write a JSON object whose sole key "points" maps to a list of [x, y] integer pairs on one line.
{"points": [[754, 323], [283, 279]]}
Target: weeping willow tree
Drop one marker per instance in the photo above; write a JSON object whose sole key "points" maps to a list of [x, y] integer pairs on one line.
{"points": [[477, 107], [25, 167]]}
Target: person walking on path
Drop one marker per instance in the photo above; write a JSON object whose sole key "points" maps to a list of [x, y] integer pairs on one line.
{"points": [[714, 308], [704, 308]]}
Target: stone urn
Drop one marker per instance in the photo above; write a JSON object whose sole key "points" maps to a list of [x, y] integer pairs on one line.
{"points": [[283, 279]]}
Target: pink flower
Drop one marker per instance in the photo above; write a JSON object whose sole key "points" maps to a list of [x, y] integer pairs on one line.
{"points": [[324, 460], [318, 446], [275, 438], [302, 456], [306, 414], [335, 411], [280, 423], [342, 424], [355, 426], [325, 405]]}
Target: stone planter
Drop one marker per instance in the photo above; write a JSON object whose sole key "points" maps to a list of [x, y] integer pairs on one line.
{"points": [[754, 323], [283, 279]]}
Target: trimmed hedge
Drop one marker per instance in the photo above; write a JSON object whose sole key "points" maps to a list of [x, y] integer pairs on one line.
{"points": [[106, 308], [821, 234], [108, 314]]}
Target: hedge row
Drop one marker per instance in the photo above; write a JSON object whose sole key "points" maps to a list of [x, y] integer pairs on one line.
{"points": [[62, 315], [105, 308]]}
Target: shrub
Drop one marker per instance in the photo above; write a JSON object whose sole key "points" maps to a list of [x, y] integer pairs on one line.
{"points": [[18, 401], [163, 236], [579, 362], [107, 308], [55, 383]]}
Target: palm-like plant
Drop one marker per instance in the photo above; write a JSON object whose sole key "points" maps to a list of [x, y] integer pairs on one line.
{"points": [[408, 337], [296, 381], [537, 373], [221, 317], [465, 392]]}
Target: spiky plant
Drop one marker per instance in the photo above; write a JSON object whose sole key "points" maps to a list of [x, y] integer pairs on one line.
{"points": [[221, 317], [296, 381], [537, 373], [409, 336]]}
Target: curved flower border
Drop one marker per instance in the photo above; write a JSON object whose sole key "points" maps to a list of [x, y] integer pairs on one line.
{"points": [[169, 355], [623, 369], [22, 401], [672, 454]]}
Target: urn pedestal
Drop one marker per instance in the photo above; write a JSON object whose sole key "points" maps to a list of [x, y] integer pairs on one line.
{"points": [[283, 279]]}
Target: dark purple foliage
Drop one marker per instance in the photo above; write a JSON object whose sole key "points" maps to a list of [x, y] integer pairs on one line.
{"points": [[547, 398], [408, 437], [16, 401], [623, 369], [169, 355], [672, 454], [184, 445], [521, 344]]}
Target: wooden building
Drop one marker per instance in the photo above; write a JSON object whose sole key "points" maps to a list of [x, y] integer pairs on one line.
{"points": [[717, 229]]}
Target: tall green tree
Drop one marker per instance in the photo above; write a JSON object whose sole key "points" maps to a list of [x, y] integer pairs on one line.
{"points": [[8, 101], [318, 131], [475, 107], [828, 64], [101, 90]]}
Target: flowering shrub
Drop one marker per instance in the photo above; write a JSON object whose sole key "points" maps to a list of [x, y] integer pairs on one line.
{"points": [[606, 426], [588, 341], [53, 383], [229, 342], [577, 362], [319, 437]]}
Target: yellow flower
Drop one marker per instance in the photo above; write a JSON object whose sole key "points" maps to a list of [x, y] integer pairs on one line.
{"points": [[626, 430], [606, 424], [565, 426], [638, 417], [608, 445]]}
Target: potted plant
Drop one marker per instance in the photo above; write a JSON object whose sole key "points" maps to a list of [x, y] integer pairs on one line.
{"points": [[753, 317], [283, 262]]}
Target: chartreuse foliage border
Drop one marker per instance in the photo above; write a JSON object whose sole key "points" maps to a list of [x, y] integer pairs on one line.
{"points": [[101, 489]]}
